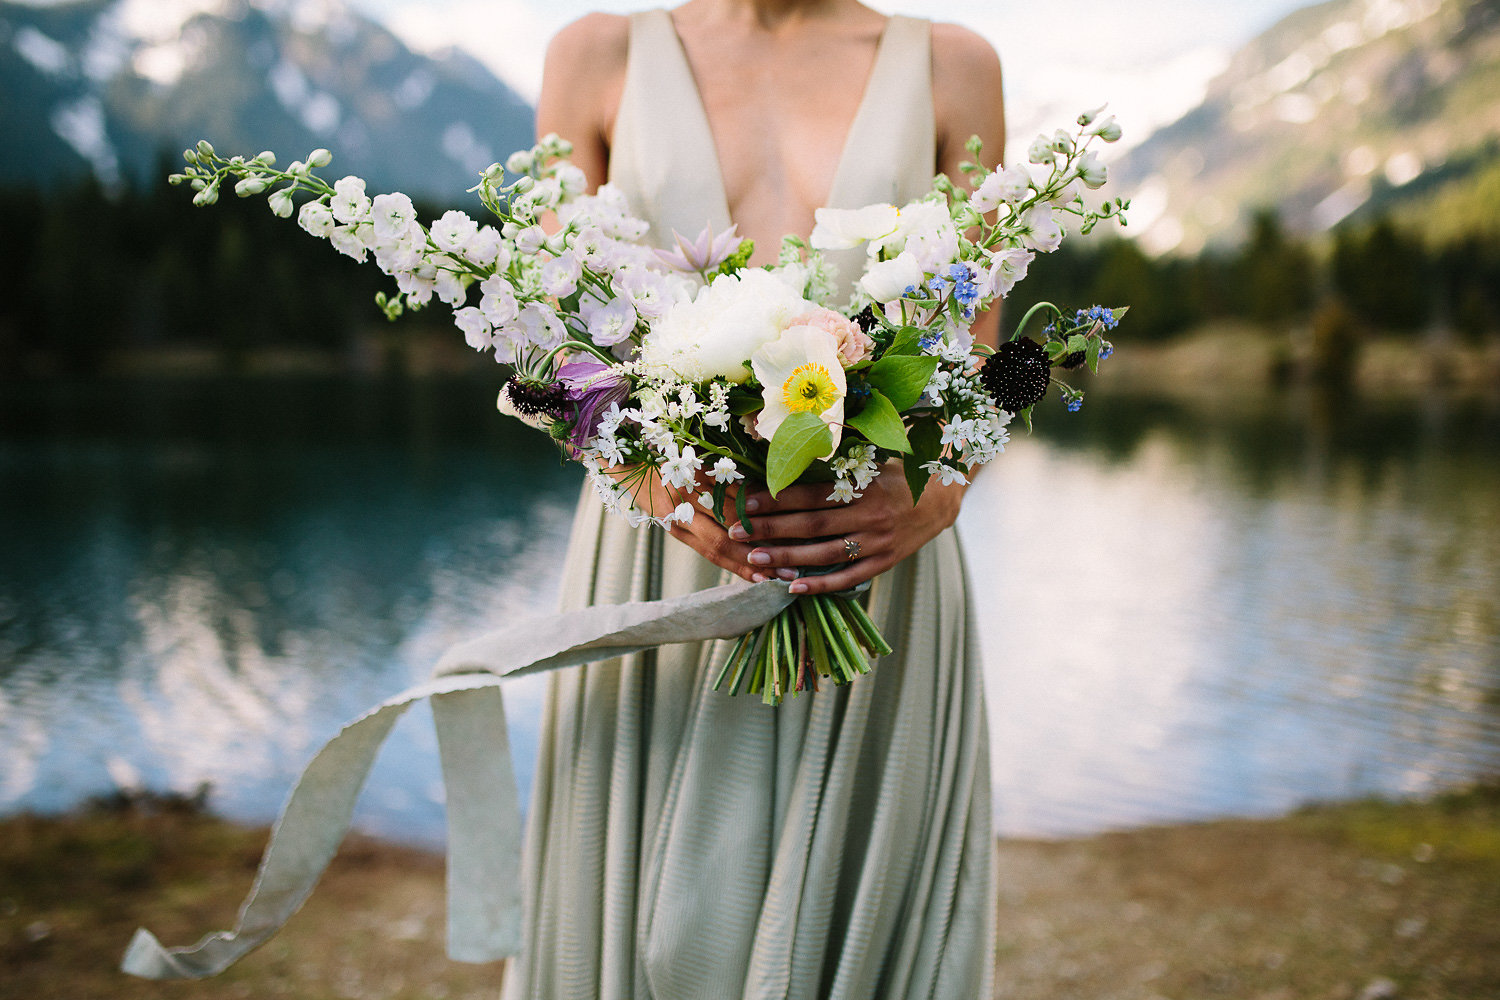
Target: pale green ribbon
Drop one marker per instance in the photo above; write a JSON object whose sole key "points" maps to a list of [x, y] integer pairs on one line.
{"points": [[484, 820]]}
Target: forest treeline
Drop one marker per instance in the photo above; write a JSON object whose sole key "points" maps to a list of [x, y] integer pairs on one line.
{"points": [[91, 274]]}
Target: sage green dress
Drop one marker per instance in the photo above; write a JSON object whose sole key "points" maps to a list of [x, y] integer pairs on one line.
{"points": [[686, 845]]}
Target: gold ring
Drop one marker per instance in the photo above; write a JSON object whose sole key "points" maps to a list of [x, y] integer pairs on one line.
{"points": [[851, 550]]}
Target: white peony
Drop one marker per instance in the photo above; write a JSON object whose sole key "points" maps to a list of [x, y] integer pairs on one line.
{"points": [[714, 335], [843, 228], [888, 280]]}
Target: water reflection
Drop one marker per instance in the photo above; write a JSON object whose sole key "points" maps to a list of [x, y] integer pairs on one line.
{"points": [[1237, 612], [1187, 611]]}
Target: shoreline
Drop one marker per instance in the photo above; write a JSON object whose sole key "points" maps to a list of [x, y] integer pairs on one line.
{"points": [[1230, 357], [1356, 901]]}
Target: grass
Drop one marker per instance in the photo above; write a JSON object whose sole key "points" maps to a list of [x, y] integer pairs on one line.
{"points": [[1357, 901]]}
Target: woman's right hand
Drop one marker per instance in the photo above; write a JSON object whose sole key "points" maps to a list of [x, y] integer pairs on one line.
{"points": [[703, 534]]}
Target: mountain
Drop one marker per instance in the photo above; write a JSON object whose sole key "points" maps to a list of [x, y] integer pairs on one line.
{"points": [[88, 89], [1339, 111]]}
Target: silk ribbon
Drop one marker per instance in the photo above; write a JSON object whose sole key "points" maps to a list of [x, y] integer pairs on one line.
{"points": [[484, 818]]}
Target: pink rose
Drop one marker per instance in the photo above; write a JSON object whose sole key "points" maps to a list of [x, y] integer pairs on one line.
{"points": [[854, 344]]}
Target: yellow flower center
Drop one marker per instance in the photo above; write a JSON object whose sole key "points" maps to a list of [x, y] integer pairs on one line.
{"points": [[809, 389]]}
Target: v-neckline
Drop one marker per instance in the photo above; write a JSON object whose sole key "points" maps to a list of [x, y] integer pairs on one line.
{"points": [[710, 146]]}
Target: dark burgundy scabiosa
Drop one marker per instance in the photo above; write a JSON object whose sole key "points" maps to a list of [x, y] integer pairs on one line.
{"points": [[1017, 374], [867, 320], [538, 404]]}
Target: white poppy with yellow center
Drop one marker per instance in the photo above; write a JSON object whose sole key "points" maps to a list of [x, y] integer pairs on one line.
{"points": [[800, 372]]}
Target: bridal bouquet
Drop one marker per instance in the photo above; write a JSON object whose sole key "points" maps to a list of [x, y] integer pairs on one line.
{"points": [[684, 372]]}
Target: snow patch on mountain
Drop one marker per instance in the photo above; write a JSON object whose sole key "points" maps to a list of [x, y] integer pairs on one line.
{"points": [[81, 125], [45, 54]]}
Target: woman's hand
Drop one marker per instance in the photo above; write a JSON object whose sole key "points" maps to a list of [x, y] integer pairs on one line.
{"points": [[803, 528], [703, 534]]}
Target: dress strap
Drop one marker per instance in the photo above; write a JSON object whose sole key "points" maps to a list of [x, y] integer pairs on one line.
{"points": [[662, 153]]}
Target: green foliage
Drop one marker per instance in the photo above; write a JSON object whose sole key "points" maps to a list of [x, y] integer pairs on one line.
{"points": [[881, 423], [901, 378], [801, 439], [89, 274]]}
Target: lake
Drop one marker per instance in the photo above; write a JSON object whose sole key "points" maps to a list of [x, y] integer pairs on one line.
{"points": [[1187, 610]]}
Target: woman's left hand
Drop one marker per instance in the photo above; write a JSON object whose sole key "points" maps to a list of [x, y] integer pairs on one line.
{"points": [[865, 537]]}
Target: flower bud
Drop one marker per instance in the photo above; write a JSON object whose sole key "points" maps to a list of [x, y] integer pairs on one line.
{"points": [[190, 156], [266, 158], [249, 186], [297, 168], [204, 149], [319, 158], [524, 185], [520, 161], [207, 196], [281, 202], [1106, 128], [1088, 117]]}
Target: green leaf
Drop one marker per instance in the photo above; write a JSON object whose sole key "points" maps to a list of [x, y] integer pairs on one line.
{"points": [[926, 446], [801, 439], [902, 379], [881, 424], [740, 496], [1096, 344], [741, 403], [908, 340]]}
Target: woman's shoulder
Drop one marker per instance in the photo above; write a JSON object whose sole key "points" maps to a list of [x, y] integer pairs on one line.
{"points": [[963, 56], [595, 42]]}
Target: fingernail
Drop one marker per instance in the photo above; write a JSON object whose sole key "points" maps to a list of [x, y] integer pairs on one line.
{"points": [[752, 504], [797, 588], [788, 574], [760, 558], [738, 533], [758, 577]]}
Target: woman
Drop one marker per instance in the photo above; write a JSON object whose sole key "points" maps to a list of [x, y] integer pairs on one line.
{"points": [[682, 843]]}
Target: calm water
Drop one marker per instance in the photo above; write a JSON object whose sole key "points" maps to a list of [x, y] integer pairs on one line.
{"points": [[1186, 612]]}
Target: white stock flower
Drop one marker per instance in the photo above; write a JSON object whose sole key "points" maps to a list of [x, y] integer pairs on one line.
{"points": [[1093, 173], [560, 275], [888, 280], [349, 240], [451, 234], [609, 323], [349, 203], [281, 203], [393, 215], [715, 334], [1006, 186], [571, 181], [1040, 150], [488, 249], [843, 228], [498, 300], [1006, 268], [475, 327], [450, 287], [316, 218], [530, 240], [1039, 229], [540, 326]]}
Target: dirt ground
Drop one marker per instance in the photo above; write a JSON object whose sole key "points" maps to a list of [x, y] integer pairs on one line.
{"points": [[1368, 901]]}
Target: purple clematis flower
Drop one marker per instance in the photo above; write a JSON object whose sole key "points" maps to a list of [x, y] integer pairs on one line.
{"points": [[703, 254], [591, 386]]}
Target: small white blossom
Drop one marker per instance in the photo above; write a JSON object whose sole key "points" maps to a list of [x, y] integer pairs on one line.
{"points": [[316, 218], [451, 234], [681, 466], [946, 474], [475, 327], [392, 215], [725, 471], [349, 203]]}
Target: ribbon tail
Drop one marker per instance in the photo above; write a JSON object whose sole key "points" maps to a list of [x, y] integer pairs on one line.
{"points": [[484, 825], [484, 911]]}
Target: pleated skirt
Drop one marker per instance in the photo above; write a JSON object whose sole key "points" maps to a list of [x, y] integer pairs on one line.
{"points": [[683, 844]]}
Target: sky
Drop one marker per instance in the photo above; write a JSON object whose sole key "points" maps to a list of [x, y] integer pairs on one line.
{"points": [[1149, 59]]}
